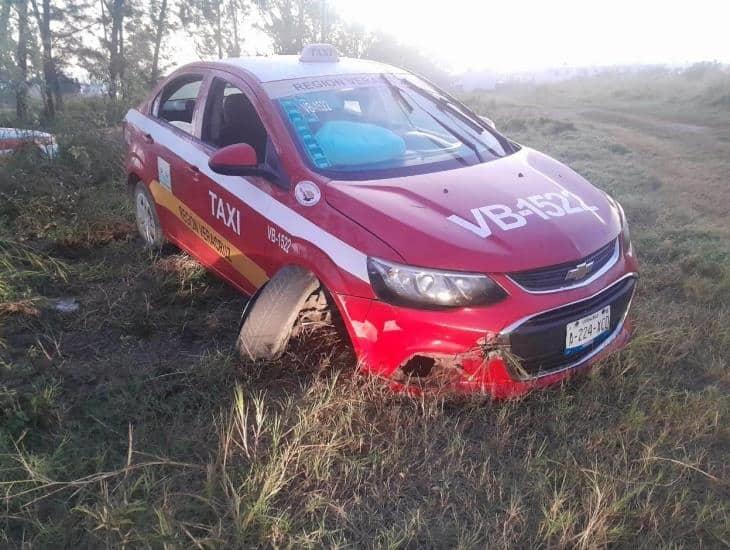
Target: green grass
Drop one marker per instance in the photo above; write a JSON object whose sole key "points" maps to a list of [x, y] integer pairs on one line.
{"points": [[130, 422]]}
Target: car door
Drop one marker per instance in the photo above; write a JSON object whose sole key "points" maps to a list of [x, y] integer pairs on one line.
{"points": [[227, 212], [175, 110]]}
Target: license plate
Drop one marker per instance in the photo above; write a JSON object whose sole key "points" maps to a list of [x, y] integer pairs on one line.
{"points": [[582, 332]]}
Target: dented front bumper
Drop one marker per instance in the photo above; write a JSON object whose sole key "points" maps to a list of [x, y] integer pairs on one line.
{"points": [[471, 350]]}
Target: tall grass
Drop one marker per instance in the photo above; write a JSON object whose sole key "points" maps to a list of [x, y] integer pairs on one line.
{"points": [[130, 423]]}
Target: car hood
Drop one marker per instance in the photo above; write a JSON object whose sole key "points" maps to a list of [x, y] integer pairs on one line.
{"points": [[495, 217], [19, 134]]}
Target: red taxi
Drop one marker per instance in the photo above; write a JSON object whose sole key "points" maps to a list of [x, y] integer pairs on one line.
{"points": [[455, 257], [15, 139]]}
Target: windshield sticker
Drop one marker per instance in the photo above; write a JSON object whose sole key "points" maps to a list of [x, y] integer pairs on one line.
{"points": [[298, 121], [284, 88], [546, 206], [163, 173], [340, 82], [307, 193], [317, 106]]}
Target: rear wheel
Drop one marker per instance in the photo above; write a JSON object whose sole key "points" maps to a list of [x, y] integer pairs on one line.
{"points": [[148, 224], [270, 319]]}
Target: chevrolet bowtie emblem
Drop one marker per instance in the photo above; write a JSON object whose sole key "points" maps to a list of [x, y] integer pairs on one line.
{"points": [[579, 271]]}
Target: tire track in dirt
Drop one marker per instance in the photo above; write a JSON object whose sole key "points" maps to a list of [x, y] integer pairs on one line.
{"points": [[691, 160]]}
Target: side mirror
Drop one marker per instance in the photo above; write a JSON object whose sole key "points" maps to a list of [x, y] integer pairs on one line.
{"points": [[488, 121], [240, 159], [235, 160]]}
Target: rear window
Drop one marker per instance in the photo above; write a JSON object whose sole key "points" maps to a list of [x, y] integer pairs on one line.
{"points": [[176, 102]]}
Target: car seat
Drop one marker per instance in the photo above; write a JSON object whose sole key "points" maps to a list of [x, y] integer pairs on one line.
{"points": [[241, 124]]}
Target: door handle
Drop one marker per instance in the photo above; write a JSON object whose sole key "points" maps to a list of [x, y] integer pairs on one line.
{"points": [[148, 138]]}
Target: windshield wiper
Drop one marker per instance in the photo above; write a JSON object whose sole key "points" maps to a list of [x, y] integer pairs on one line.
{"points": [[466, 141], [449, 128], [458, 135], [397, 93], [465, 110], [444, 104]]}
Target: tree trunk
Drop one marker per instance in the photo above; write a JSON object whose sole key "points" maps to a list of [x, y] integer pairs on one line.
{"points": [[4, 27], [219, 30], [21, 92], [116, 47], [301, 25], [160, 29], [52, 87], [122, 59], [113, 53], [236, 49], [323, 30]]}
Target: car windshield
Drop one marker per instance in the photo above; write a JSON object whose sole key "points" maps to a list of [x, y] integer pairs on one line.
{"points": [[370, 126]]}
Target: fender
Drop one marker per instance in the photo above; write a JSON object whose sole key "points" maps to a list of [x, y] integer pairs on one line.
{"points": [[135, 165]]}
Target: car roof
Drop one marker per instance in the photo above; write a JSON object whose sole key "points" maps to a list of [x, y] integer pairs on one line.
{"points": [[18, 133], [284, 67]]}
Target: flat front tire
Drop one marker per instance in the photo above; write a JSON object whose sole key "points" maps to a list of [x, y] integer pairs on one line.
{"points": [[269, 320], [148, 224]]}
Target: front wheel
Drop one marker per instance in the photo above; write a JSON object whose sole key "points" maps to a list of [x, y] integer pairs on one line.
{"points": [[270, 318], [148, 224]]}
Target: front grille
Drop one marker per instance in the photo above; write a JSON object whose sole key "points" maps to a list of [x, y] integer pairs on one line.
{"points": [[553, 277], [539, 343]]}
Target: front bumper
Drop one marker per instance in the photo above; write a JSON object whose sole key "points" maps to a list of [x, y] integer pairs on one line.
{"points": [[495, 376], [472, 350]]}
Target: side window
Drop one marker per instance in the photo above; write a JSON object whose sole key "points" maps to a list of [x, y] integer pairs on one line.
{"points": [[230, 118], [176, 102]]}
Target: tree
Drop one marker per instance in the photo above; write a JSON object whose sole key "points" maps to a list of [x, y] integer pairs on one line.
{"points": [[387, 49], [113, 13], [161, 26], [146, 26], [107, 61], [351, 39], [21, 90], [57, 23], [216, 26], [52, 88], [7, 47], [5, 32], [293, 23]]}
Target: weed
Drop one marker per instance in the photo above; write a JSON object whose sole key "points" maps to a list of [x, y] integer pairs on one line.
{"points": [[130, 423]]}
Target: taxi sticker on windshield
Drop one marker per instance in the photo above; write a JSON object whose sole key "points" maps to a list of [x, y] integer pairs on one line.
{"points": [[292, 109], [315, 106], [283, 88], [506, 218]]}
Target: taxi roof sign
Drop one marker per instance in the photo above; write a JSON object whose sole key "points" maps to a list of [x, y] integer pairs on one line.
{"points": [[319, 53]]}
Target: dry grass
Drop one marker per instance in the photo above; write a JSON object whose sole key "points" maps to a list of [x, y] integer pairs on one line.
{"points": [[130, 423]]}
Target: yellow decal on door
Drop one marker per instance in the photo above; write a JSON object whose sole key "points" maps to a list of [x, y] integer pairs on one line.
{"points": [[224, 248]]}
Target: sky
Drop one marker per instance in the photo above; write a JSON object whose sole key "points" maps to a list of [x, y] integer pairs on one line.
{"points": [[529, 35], [507, 36]]}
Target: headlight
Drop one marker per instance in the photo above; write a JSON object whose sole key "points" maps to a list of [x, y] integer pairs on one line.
{"points": [[625, 233], [430, 288]]}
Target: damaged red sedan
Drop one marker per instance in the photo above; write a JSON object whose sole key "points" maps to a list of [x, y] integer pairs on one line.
{"points": [[455, 257], [16, 139]]}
